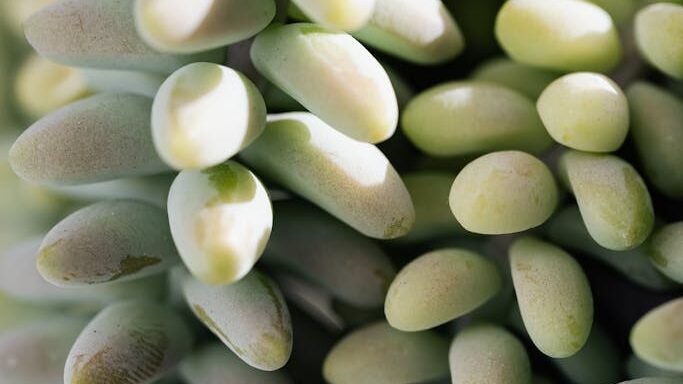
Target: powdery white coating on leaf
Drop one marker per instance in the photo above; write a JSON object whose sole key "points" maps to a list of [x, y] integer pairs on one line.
{"points": [[185, 27], [438, 287], [421, 31], [466, 117], [613, 199], [350, 179], [659, 36], [98, 34], [220, 219], [117, 240], [312, 244], [19, 278], [585, 111], [216, 364], [380, 354], [554, 297], [657, 131], [488, 354], [657, 337], [332, 75], [89, 141], [249, 316], [666, 251], [35, 353], [546, 34], [503, 192], [131, 342], [204, 114], [345, 15]]}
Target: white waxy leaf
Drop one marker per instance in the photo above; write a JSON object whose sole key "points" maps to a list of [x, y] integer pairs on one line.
{"points": [[204, 114], [99, 34], [220, 220], [181, 26], [332, 75]]}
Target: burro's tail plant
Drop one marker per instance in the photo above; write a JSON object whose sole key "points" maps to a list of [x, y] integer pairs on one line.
{"points": [[341, 191]]}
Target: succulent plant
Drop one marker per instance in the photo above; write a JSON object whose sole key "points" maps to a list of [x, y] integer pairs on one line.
{"points": [[348, 191]]}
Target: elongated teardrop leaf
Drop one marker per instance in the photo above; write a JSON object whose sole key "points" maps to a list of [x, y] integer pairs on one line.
{"points": [[438, 287], [249, 316], [488, 354], [314, 245], [215, 363], [659, 35], [612, 197], [105, 242], [527, 80], [132, 342], [585, 111], [457, 118], [380, 354], [345, 15], [186, 27], [667, 251], [545, 34], [503, 192], [20, 279], [657, 128], [204, 114], [421, 31], [657, 337], [35, 353], [98, 34], [350, 179], [554, 297], [221, 220], [101, 138], [332, 75], [566, 228], [429, 191], [42, 86]]}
